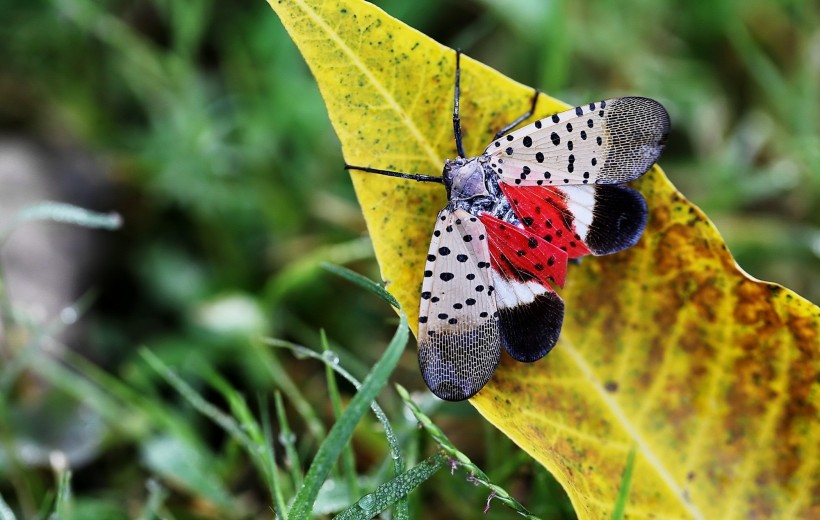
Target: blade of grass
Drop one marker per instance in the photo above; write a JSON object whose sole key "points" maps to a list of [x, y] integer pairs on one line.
{"points": [[279, 506], [133, 416], [362, 281], [397, 488], [262, 453], [402, 507], [305, 334], [348, 461], [260, 437], [341, 431], [87, 390], [63, 506], [153, 73], [306, 267], [64, 213], [286, 439], [626, 482], [156, 497], [476, 474], [46, 505], [281, 379], [15, 470], [392, 440], [225, 421], [760, 67], [556, 68], [110, 396], [247, 431]]}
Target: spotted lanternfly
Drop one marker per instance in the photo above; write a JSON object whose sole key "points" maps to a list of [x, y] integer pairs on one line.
{"points": [[535, 197]]}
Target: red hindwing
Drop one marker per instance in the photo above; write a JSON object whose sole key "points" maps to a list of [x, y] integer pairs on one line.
{"points": [[543, 211], [522, 255]]}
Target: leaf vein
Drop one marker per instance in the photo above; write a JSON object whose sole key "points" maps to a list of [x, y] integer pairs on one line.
{"points": [[643, 446]]}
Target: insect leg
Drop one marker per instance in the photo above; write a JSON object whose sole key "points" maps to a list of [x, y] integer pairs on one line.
{"points": [[520, 119]]}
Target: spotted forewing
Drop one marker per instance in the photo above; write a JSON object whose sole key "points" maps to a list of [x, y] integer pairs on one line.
{"points": [[459, 338], [609, 142]]}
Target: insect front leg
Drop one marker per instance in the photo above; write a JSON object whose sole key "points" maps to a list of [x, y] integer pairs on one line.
{"points": [[521, 118]]}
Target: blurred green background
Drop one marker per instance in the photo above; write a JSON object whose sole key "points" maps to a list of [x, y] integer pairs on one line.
{"points": [[199, 123]]}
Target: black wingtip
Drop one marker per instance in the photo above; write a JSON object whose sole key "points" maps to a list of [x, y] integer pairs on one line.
{"points": [[618, 221], [457, 364], [530, 331], [638, 128]]}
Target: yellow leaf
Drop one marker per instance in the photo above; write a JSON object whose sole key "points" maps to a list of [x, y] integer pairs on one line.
{"points": [[668, 347]]}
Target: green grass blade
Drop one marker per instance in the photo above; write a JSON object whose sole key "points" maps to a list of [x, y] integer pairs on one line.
{"points": [[281, 379], [84, 386], [65, 213], [402, 509], [348, 461], [247, 431], [397, 488], [476, 474], [626, 482], [279, 506], [307, 267], [258, 447], [287, 438], [63, 506], [156, 497], [760, 67], [362, 281], [110, 396], [340, 434], [392, 440], [196, 400]]}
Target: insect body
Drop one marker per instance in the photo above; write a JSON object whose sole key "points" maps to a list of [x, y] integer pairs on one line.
{"points": [[535, 197]]}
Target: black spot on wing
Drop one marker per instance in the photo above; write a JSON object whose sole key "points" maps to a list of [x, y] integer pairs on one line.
{"points": [[529, 331], [618, 220]]}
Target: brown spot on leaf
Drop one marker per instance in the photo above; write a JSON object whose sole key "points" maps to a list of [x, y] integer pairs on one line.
{"points": [[754, 306], [707, 299]]}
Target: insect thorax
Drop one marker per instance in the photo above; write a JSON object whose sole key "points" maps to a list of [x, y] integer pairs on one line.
{"points": [[473, 186]]}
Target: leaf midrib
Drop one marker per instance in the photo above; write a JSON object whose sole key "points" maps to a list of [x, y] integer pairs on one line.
{"points": [[631, 430]]}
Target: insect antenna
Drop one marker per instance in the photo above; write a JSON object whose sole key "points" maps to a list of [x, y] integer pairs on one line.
{"points": [[389, 173], [456, 95], [457, 119]]}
